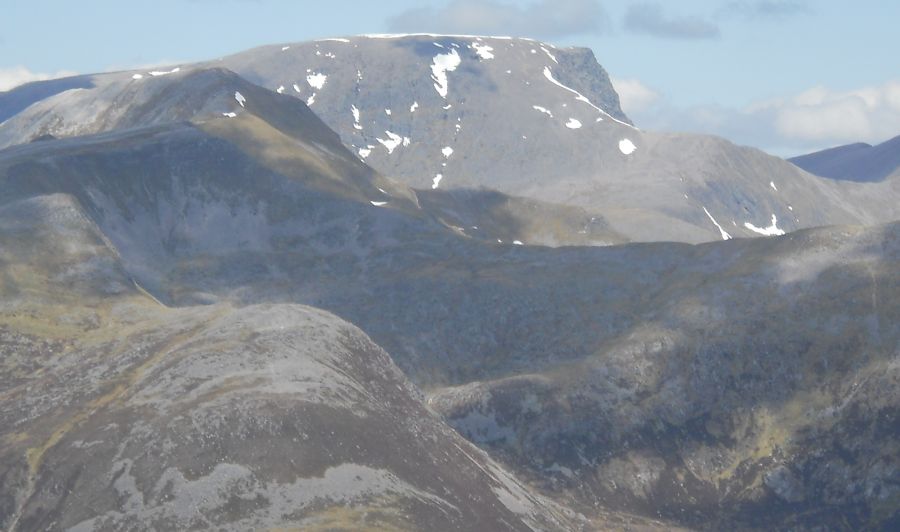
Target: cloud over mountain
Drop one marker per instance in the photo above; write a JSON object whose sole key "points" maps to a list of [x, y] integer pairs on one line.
{"points": [[813, 119], [649, 18], [545, 19], [15, 76], [764, 9], [634, 96]]}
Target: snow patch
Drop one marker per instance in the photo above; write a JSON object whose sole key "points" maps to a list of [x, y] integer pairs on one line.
{"points": [[413, 107], [355, 112], [164, 72], [436, 181], [725, 235], [333, 39], [229, 115], [626, 146], [365, 152], [284, 48], [543, 110], [447, 151], [483, 50], [297, 88], [280, 89], [518, 243], [316, 80], [442, 64], [772, 230], [387, 112], [311, 100], [378, 203], [240, 98], [772, 184], [573, 124], [391, 142], [137, 76]]}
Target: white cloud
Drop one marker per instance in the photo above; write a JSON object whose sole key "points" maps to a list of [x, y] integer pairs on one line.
{"points": [[634, 96], [867, 114], [811, 120], [15, 76]]}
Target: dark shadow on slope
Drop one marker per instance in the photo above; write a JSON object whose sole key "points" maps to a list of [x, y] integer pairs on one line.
{"points": [[492, 216]]}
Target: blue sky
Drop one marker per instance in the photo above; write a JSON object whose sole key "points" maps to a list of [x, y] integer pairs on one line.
{"points": [[787, 76]]}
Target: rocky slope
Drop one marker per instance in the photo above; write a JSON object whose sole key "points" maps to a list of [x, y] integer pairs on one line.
{"points": [[749, 383], [854, 162]]}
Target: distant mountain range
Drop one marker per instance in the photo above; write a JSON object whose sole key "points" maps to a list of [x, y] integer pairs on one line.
{"points": [[855, 162], [216, 314]]}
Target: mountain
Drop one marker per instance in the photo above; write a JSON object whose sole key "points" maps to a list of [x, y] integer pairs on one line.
{"points": [[854, 162], [529, 119], [517, 116], [148, 272]]}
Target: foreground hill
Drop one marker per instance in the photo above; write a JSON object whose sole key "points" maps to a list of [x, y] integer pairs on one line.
{"points": [[121, 413], [854, 162], [749, 383]]}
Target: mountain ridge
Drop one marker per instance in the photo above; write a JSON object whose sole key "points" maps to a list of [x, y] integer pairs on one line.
{"points": [[858, 162]]}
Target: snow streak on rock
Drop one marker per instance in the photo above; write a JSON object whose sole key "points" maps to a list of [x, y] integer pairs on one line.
{"points": [[772, 230], [355, 112], [543, 110], [578, 96], [725, 235], [442, 64]]}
